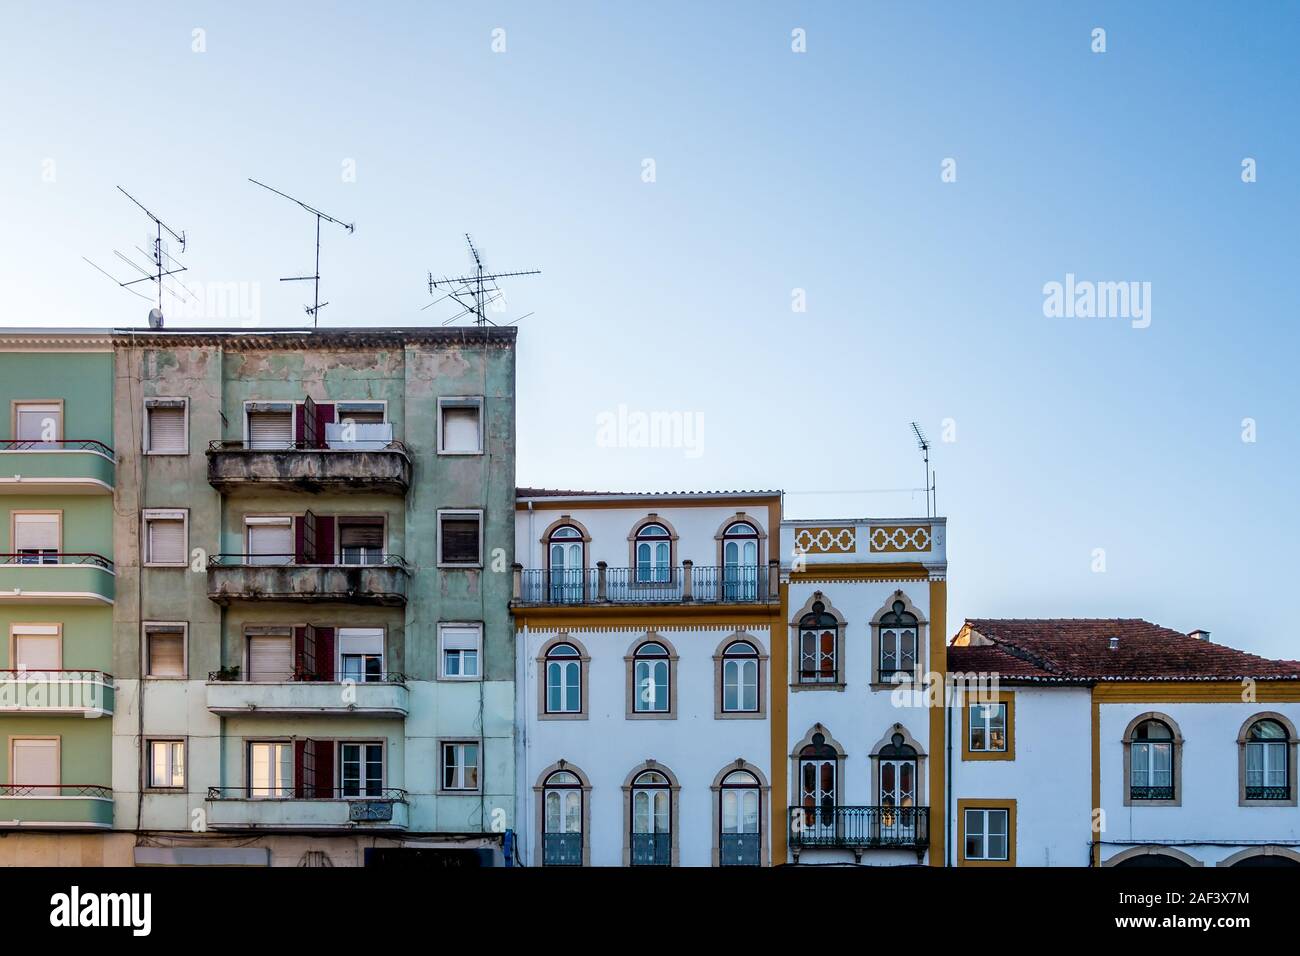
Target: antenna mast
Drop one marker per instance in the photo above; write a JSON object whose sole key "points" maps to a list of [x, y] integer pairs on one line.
{"points": [[924, 445], [159, 259], [474, 292], [317, 304]]}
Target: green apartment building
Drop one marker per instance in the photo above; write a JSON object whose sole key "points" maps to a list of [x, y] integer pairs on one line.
{"points": [[311, 535], [57, 594]]}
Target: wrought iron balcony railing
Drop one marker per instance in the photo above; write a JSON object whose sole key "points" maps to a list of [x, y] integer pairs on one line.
{"points": [[43, 557], [652, 849], [299, 675], [1268, 793], [57, 444], [562, 849], [308, 792], [1151, 793], [39, 790], [740, 849], [658, 584], [879, 827]]}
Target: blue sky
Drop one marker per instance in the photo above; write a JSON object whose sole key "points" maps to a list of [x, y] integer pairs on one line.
{"points": [[774, 171]]}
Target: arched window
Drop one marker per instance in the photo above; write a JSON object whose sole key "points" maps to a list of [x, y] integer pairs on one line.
{"points": [[650, 679], [653, 554], [566, 565], [740, 562], [651, 820], [898, 775], [1151, 762], [818, 646], [818, 792], [1267, 773], [563, 680], [562, 820], [898, 630], [740, 800], [740, 678]]}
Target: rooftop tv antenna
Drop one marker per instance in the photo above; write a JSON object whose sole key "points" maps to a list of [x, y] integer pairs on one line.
{"points": [[317, 304], [474, 292], [923, 443], [161, 263]]}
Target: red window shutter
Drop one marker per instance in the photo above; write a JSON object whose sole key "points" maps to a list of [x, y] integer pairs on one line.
{"points": [[325, 525], [299, 540], [325, 654], [299, 768], [304, 653], [301, 422], [324, 768], [324, 416]]}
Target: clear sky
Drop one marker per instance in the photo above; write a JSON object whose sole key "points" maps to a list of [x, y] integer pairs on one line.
{"points": [[773, 171]]}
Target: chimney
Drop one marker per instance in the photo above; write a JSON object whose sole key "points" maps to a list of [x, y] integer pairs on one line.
{"points": [[1114, 643], [1200, 634]]}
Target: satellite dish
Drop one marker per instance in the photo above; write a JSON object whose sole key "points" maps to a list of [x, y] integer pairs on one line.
{"points": [[155, 319]]}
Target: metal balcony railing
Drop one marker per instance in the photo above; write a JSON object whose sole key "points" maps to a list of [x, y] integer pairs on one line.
{"points": [[652, 849], [366, 443], [879, 827], [39, 790], [658, 584], [1151, 793], [232, 676], [245, 560], [308, 792], [40, 556], [740, 849], [562, 849], [58, 444], [1268, 793]]}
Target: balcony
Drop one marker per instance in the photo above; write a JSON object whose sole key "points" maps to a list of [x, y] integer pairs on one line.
{"points": [[740, 849], [561, 849], [860, 828], [56, 693], [64, 467], [66, 806], [51, 577], [370, 465], [242, 577], [652, 849], [234, 808], [308, 698], [685, 584]]}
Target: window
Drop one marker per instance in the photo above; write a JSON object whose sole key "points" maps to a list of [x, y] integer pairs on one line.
{"points": [[566, 565], [38, 537], [270, 768], [740, 678], [986, 834], [37, 647], [740, 801], [361, 654], [653, 554], [460, 539], [269, 425], [818, 646], [270, 540], [35, 765], [166, 538], [460, 766], [361, 769], [897, 772], [460, 650], [988, 726], [460, 426], [361, 540], [270, 655], [818, 791], [164, 650], [166, 426], [740, 562], [1267, 761], [562, 819], [361, 427], [38, 424], [898, 642], [1151, 775], [563, 668], [166, 764], [652, 836], [650, 678]]}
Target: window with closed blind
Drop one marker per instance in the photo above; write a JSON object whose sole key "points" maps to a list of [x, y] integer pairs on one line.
{"points": [[460, 426], [460, 539], [166, 426], [37, 647], [361, 653], [270, 655], [164, 650], [270, 539], [269, 425], [35, 763], [165, 534], [37, 537], [40, 423], [461, 644]]}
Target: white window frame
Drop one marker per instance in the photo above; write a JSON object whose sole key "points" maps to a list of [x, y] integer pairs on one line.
{"points": [[40, 556], [459, 744], [166, 514], [171, 742], [476, 513], [31, 629], [278, 521], [290, 405], [145, 628], [340, 520], [443, 628], [287, 786], [165, 400], [383, 767], [461, 401], [985, 813], [986, 724], [37, 405], [380, 632]]}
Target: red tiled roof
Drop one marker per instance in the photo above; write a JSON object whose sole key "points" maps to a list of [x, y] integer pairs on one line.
{"points": [[1065, 649]]}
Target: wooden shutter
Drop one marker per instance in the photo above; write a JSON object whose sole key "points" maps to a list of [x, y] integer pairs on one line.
{"points": [[459, 543], [325, 654], [37, 762], [324, 416], [325, 538], [323, 769], [166, 650], [166, 540], [36, 532], [361, 534], [308, 424], [304, 653], [270, 657], [302, 764], [167, 428]]}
